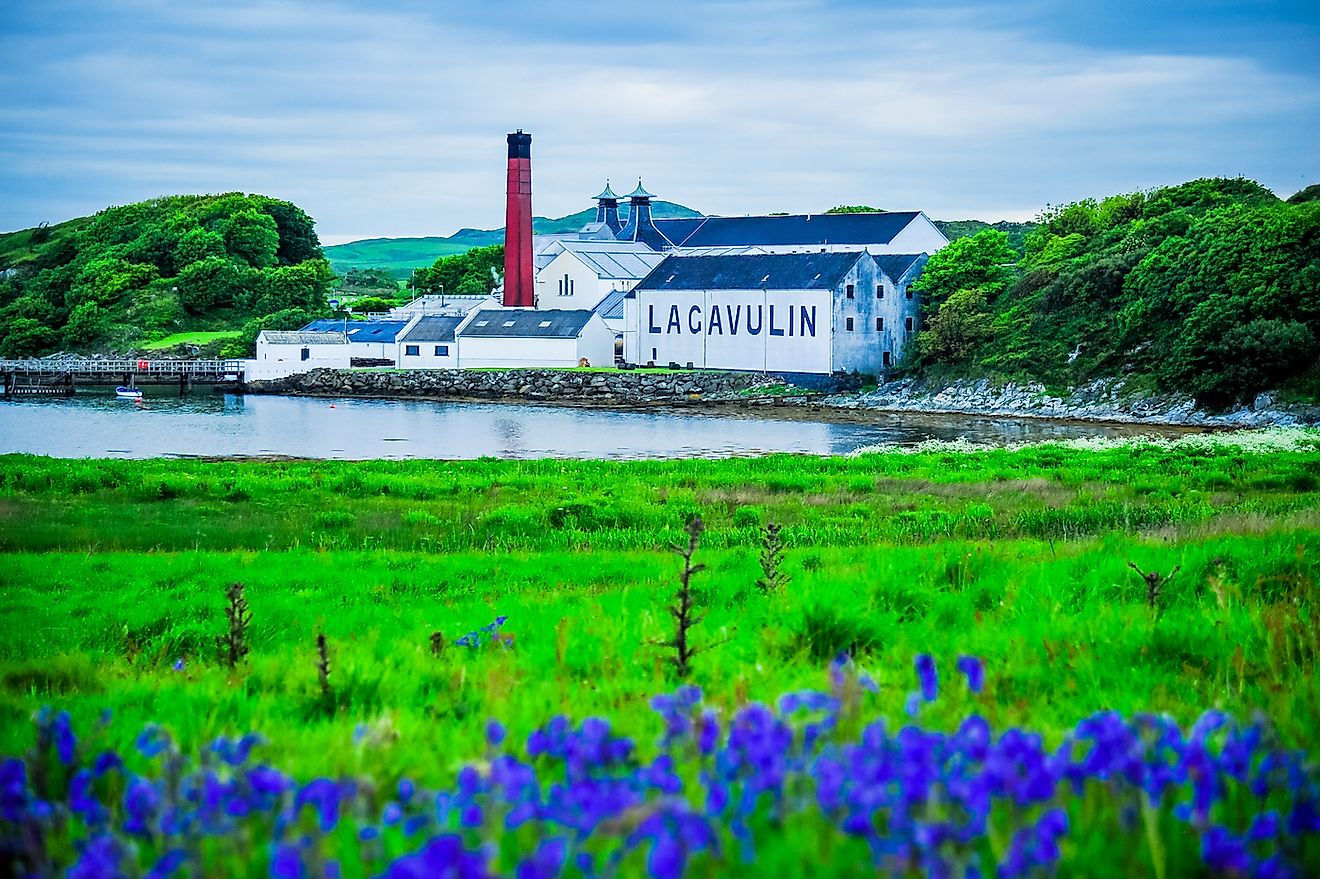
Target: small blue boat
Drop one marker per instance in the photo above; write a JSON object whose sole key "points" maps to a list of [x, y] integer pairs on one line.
{"points": [[128, 393]]}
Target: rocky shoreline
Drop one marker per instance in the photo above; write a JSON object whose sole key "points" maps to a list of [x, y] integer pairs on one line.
{"points": [[1105, 401]]}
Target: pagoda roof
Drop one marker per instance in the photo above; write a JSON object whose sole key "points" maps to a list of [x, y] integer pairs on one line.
{"points": [[608, 193], [639, 192]]}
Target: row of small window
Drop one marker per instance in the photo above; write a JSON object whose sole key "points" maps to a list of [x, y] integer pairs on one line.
{"points": [[850, 292], [879, 324], [566, 286], [416, 350]]}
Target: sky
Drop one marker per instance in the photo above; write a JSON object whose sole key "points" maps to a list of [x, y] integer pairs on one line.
{"points": [[387, 118]]}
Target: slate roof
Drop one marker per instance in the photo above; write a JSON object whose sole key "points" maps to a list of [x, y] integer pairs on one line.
{"points": [[360, 330], [676, 229], [896, 265], [766, 271], [871, 228], [528, 323], [611, 307], [299, 337], [433, 328]]}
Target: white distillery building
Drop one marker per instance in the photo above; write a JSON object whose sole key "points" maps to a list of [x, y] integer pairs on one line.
{"points": [[581, 274], [280, 353], [532, 338], [808, 312], [430, 342]]}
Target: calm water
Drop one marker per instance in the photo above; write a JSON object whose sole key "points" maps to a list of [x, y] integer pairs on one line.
{"points": [[95, 424]]}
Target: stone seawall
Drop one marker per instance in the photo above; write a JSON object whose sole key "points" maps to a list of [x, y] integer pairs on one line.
{"points": [[623, 387]]}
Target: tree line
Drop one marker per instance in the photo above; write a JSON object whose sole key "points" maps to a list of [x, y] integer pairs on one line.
{"points": [[1211, 287]]}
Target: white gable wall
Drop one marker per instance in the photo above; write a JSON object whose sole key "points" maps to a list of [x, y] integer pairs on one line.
{"points": [[919, 236]]}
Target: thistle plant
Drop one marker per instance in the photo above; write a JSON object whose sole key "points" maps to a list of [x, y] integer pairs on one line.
{"points": [[683, 610], [773, 577], [323, 666], [1155, 582], [233, 643]]}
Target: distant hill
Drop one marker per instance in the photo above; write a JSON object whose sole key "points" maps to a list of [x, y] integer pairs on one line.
{"points": [[400, 256]]}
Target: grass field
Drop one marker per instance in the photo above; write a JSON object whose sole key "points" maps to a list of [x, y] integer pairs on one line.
{"points": [[200, 337], [113, 577]]}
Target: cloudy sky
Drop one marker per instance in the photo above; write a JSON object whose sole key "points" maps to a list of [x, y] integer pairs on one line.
{"points": [[387, 117]]}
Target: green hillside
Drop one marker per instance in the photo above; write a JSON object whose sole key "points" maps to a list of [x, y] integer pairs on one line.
{"points": [[142, 272], [400, 256], [1211, 287]]}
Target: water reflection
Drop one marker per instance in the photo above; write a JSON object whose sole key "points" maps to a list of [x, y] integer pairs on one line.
{"points": [[95, 424]]}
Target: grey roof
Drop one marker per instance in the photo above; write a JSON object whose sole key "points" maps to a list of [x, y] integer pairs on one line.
{"points": [[896, 265], [677, 229], [528, 323], [361, 330], [611, 307], [766, 271], [879, 227], [299, 337], [433, 328], [617, 264]]}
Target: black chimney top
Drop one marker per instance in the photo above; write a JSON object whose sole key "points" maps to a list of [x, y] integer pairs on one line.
{"points": [[520, 145]]}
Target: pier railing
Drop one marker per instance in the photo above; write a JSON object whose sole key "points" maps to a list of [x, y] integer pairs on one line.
{"points": [[80, 367]]}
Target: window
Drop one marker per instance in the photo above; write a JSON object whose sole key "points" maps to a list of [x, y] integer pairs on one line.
{"points": [[848, 324], [543, 324], [566, 285], [850, 292], [907, 293], [306, 353], [441, 350], [879, 324], [509, 323], [907, 324], [412, 350], [561, 286], [886, 358], [879, 291]]}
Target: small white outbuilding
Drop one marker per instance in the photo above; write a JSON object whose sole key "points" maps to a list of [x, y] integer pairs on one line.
{"points": [[531, 338]]}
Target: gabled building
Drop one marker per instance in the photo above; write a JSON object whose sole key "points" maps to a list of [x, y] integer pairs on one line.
{"points": [[518, 337], [430, 342], [807, 312], [373, 341], [583, 273]]}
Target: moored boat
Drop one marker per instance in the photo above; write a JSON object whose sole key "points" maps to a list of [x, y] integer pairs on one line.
{"points": [[128, 393]]}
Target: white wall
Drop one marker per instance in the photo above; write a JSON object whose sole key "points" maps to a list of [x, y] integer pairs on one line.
{"points": [[587, 288], [483, 352], [320, 356], [714, 329], [920, 236]]}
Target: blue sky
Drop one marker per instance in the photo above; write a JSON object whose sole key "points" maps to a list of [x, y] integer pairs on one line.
{"points": [[388, 118]]}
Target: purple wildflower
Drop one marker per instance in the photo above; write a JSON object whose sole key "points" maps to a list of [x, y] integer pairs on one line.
{"points": [[927, 676], [973, 668]]}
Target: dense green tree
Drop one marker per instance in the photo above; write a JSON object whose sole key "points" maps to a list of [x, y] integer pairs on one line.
{"points": [[198, 244], [252, 236], [464, 274], [958, 328], [305, 285], [88, 323], [107, 280], [853, 209], [213, 283], [297, 233], [983, 261], [25, 337]]}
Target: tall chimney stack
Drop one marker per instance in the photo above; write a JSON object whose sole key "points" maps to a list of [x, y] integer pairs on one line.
{"points": [[519, 289]]}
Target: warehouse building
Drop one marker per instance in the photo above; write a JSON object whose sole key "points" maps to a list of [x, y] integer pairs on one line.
{"points": [[300, 351], [528, 338], [371, 342], [430, 342], [811, 313]]}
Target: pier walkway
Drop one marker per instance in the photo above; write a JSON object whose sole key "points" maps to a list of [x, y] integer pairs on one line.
{"points": [[61, 375]]}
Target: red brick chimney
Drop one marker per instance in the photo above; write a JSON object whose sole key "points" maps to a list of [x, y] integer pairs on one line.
{"points": [[519, 286]]}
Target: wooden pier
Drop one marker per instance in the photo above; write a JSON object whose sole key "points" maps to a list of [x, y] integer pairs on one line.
{"points": [[55, 376]]}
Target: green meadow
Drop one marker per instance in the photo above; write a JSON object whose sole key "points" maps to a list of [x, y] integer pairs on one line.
{"points": [[113, 571]]}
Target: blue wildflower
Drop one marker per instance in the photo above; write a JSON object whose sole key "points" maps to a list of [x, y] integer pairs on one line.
{"points": [[927, 676], [974, 670]]}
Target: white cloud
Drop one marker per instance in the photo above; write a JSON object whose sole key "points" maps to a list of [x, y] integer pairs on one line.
{"points": [[392, 123]]}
